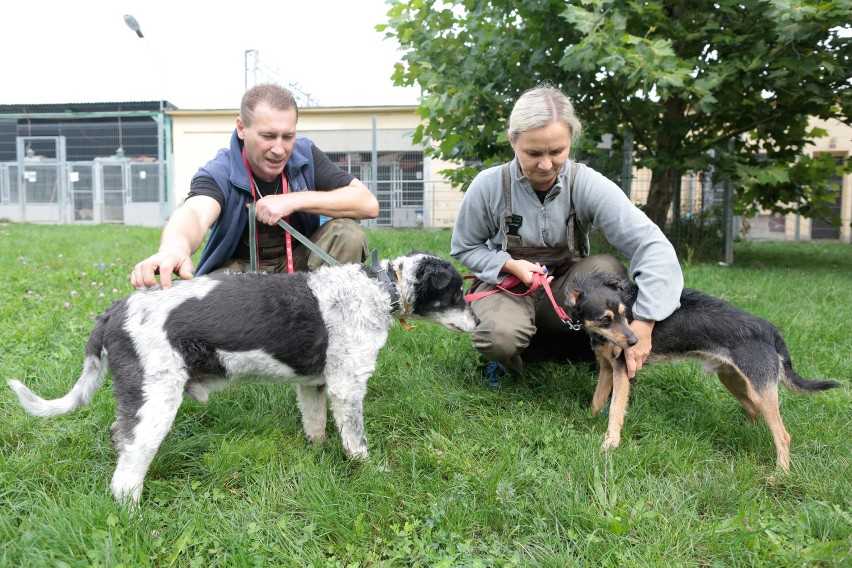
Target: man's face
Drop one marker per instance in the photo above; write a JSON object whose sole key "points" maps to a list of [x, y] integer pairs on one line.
{"points": [[269, 140], [542, 152]]}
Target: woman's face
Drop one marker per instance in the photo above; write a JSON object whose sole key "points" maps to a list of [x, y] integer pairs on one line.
{"points": [[542, 152]]}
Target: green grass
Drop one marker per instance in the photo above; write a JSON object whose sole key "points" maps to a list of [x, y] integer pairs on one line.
{"points": [[461, 474]]}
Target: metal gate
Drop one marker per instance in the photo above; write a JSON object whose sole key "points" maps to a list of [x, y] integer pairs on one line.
{"points": [[41, 178], [42, 187]]}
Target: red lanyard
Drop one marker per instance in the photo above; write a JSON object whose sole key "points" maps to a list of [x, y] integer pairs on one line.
{"points": [[288, 241]]}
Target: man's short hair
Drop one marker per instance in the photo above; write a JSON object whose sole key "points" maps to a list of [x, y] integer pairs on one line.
{"points": [[276, 96]]}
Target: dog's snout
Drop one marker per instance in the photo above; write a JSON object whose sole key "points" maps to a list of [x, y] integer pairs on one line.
{"points": [[631, 340]]}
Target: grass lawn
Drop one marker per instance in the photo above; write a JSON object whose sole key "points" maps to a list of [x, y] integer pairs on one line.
{"points": [[461, 473]]}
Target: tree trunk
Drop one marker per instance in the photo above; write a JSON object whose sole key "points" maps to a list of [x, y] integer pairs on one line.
{"points": [[660, 195], [665, 173]]}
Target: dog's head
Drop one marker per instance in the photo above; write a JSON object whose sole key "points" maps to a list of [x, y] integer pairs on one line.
{"points": [[432, 289], [596, 301]]}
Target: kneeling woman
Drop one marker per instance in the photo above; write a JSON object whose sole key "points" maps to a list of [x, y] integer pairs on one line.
{"points": [[537, 211]]}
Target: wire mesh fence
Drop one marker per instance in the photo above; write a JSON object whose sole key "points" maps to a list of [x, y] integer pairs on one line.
{"points": [[99, 169]]}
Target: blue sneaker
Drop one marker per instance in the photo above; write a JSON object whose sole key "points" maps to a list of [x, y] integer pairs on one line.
{"points": [[493, 372]]}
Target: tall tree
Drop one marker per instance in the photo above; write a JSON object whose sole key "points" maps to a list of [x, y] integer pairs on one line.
{"points": [[683, 77]]}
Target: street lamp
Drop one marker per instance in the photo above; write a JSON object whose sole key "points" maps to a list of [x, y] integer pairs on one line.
{"points": [[133, 24]]}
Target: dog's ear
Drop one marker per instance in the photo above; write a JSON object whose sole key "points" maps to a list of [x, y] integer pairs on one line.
{"points": [[439, 276], [573, 297], [614, 283]]}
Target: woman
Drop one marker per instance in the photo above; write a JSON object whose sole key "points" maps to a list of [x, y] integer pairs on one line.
{"points": [[536, 212]]}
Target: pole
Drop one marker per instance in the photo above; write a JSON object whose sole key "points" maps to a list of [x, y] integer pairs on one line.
{"points": [[627, 163], [729, 212]]}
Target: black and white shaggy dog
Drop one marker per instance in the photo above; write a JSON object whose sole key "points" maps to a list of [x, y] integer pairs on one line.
{"points": [[321, 331], [746, 352]]}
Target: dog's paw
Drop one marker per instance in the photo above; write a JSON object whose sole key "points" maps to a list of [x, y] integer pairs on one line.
{"points": [[197, 391], [358, 455], [316, 439], [611, 441]]}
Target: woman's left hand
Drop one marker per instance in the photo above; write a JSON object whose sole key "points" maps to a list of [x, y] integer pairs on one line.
{"points": [[635, 356], [524, 270]]}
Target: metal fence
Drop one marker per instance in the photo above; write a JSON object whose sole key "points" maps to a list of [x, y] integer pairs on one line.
{"points": [[111, 167], [102, 191], [701, 197], [101, 168]]}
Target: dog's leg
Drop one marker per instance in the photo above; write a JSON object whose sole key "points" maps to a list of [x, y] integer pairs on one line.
{"points": [[604, 388], [742, 390], [117, 436], [314, 414], [347, 407], [768, 406], [155, 419], [757, 404], [618, 406]]}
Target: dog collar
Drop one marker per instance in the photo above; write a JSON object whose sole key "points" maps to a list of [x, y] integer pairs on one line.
{"points": [[385, 279]]}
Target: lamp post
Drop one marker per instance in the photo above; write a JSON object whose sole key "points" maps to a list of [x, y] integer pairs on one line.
{"points": [[161, 118], [134, 26]]}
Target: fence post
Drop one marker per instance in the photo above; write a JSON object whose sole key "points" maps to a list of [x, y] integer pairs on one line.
{"points": [[676, 197], [627, 163], [729, 213]]}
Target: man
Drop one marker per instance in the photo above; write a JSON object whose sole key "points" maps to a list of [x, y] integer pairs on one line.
{"points": [[287, 177]]}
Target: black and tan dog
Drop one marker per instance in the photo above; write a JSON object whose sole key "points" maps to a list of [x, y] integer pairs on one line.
{"points": [[746, 352]]}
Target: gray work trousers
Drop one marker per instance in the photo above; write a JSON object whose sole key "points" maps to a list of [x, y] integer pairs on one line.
{"points": [[509, 324]]}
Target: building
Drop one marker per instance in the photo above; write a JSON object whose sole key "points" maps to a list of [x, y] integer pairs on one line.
{"points": [[132, 163]]}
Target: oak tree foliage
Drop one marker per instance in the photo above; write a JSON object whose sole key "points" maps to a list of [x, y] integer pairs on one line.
{"points": [[684, 77]]}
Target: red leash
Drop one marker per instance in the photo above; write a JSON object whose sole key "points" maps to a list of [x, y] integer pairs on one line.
{"points": [[511, 281]]}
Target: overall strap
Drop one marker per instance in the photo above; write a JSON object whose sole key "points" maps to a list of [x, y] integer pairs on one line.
{"points": [[576, 238], [509, 241]]}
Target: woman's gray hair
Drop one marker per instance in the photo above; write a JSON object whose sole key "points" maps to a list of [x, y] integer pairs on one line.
{"points": [[276, 96], [540, 106]]}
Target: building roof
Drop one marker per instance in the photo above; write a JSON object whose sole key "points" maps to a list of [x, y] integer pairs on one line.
{"points": [[73, 108]]}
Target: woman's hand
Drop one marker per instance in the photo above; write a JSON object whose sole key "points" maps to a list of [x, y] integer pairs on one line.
{"points": [[635, 356], [524, 270]]}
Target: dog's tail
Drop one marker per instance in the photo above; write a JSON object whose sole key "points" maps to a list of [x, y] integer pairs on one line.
{"points": [[84, 389], [791, 379]]}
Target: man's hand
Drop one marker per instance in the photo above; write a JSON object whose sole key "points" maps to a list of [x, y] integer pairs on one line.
{"points": [[635, 356], [165, 263], [273, 207]]}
